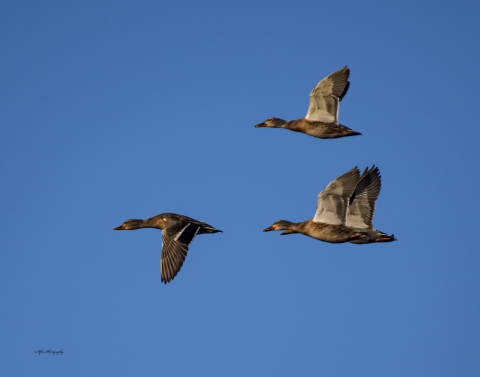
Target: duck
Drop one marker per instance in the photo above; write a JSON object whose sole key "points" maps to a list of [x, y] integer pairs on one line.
{"points": [[321, 120], [344, 214], [178, 231]]}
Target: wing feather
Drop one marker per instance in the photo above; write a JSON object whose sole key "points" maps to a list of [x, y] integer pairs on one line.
{"points": [[173, 255], [325, 97], [334, 199], [362, 203]]}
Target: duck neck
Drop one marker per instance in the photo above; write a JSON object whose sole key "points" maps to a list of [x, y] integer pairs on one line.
{"points": [[296, 125], [154, 222], [288, 225]]}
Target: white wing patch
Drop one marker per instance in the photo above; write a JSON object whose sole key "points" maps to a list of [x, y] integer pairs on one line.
{"points": [[328, 210], [361, 210], [355, 220], [325, 97], [334, 199]]}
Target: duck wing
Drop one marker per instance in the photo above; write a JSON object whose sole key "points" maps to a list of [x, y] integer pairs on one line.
{"points": [[325, 97], [334, 199], [175, 241], [362, 203]]}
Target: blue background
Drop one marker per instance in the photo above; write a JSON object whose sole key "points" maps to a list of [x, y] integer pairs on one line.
{"points": [[113, 110]]}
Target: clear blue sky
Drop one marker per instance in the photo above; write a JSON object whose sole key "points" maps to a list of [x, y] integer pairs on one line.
{"points": [[112, 110]]}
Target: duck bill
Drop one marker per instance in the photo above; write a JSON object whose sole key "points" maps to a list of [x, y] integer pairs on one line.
{"points": [[260, 125], [269, 229], [120, 227]]}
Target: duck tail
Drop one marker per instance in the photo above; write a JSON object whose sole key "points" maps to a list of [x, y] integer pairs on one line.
{"points": [[354, 133], [347, 131], [210, 229]]}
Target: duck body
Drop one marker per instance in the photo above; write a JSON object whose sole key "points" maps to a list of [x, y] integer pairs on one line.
{"points": [[320, 231], [175, 222], [178, 231], [321, 120], [318, 129]]}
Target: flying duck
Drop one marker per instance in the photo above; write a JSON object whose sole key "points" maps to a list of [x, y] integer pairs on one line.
{"points": [[322, 117], [344, 211], [178, 232]]}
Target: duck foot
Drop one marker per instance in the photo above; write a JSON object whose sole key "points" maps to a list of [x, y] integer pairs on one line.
{"points": [[383, 239]]}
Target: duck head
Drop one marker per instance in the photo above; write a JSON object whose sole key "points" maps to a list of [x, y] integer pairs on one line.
{"points": [[281, 225], [273, 123], [131, 224]]}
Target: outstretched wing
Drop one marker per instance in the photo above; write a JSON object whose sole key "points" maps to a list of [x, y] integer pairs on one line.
{"points": [[325, 97], [362, 203], [175, 247], [333, 200]]}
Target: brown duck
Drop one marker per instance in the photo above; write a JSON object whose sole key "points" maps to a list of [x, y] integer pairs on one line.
{"points": [[322, 117], [178, 232], [337, 211]]}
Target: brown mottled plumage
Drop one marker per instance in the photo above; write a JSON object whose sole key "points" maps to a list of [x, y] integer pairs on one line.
{"points": [[321, 231], [322, 130]]}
